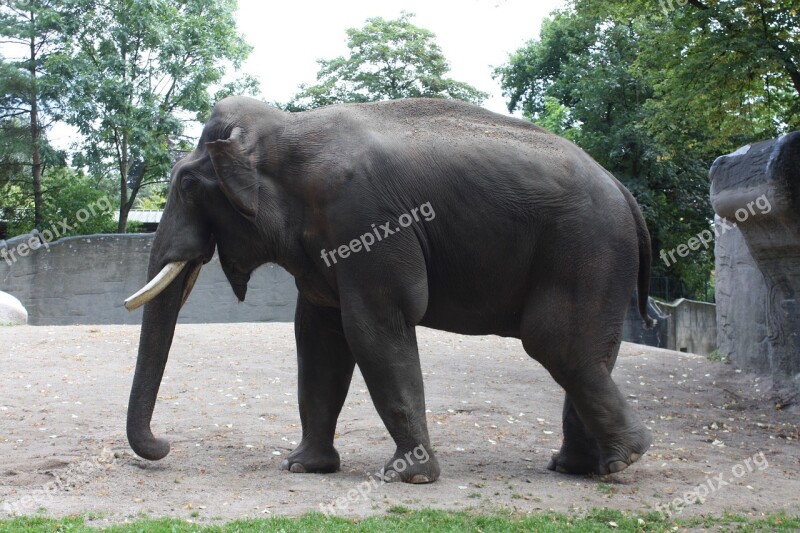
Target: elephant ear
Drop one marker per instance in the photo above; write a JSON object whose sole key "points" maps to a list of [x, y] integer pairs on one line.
{"points": [[237, 177]]}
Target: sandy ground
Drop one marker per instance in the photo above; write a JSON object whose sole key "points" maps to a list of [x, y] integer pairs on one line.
{"points": [[229, 406]]}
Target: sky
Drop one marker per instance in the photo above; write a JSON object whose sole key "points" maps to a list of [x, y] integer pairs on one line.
{"points": [[289, 36], [475, 36]]}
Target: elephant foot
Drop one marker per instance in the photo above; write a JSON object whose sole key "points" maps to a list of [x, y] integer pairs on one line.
{"points": [[568, 461], [619, 457], [416, 466], [607, 460], [308, 458]]}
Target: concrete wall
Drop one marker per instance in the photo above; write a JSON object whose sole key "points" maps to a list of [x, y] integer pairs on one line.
{"points": [[84, 280], [634, 331], [692, 326]]}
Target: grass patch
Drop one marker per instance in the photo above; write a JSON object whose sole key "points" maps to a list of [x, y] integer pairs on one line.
{"points": [[716, 356], [605, 488], [402, 519]]}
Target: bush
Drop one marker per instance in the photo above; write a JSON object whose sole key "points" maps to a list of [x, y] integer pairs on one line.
{"points": [[70, 198]]}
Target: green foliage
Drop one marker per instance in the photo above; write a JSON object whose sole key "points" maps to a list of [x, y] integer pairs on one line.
{"points": [[16, 183], [14, 153], [725, 72], [70, 196], [27, 31], [154, 200], [655, 97], [128, 74], [134, 70], [717, 356], [388, 59], [24, 77]]}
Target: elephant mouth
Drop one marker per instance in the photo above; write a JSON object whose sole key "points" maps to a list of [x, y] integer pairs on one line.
{"points": [[168, 275]]}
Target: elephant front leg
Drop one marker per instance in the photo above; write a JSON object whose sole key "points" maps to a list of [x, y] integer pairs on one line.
{"points": [[325, 368], [389, 361]]}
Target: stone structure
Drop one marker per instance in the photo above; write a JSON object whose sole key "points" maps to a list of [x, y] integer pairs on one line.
{"points": [[755, 192], [692, 326], [84, 280], [12, 312]]}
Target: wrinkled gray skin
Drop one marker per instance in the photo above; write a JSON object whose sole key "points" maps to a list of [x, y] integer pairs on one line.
{"points": [[531, 239]]}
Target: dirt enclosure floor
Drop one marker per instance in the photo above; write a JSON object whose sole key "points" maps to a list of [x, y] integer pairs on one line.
{"points": [[228, 404]]}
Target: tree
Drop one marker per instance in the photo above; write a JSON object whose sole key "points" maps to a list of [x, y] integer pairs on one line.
{"points": [[29, 28], [135, 71], [726, 72], [71, 196], [388, 59], [656, 96], [18, 203], [578, 81]]}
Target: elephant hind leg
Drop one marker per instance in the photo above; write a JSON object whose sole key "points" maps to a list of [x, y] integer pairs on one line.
{"points": [[580, 452], [602, 434]]}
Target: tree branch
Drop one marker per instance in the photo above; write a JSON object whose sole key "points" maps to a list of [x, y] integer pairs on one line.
{"points": [[698, 4]]}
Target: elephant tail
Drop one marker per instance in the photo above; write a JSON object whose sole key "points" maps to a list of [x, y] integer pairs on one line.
{"points": [[645, 258], [645, 255]]}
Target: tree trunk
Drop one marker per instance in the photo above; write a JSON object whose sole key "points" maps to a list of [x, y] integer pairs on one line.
{"points": [[36, 133], [124, 204]]}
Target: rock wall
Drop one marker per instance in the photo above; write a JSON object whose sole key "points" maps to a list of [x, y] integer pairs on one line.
{"points": [[741, 294], [84, 280], [755, 192]]}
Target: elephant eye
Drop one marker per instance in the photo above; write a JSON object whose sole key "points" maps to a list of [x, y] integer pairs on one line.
{"points": [[188, 181]]}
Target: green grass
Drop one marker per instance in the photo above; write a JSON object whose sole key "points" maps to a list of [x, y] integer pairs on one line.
{"points": [[716, 356], [605, 488], [401, 519]]}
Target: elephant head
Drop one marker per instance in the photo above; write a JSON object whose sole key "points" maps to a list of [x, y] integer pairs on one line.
{"points": [[223, 196]]}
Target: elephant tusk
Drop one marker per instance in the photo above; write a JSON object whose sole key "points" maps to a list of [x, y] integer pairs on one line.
{"points": [[190, 280], [156, 285]]}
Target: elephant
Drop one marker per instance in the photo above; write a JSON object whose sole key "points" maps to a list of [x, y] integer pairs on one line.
{"points": [[394, 214]]}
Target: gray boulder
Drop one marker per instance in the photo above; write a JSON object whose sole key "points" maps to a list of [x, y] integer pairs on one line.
{"points": [[12, 312]]}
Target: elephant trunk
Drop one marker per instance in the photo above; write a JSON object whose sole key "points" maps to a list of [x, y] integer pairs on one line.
{"points": [[158, 329]]}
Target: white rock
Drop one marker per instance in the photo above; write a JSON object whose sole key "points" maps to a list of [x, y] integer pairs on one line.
{"points": [[12, 311]]}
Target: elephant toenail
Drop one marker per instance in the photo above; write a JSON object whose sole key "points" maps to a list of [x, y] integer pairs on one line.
{"points": [[391, 476], [285, 464], [420, 478], [617, 466], [635, 457], [297, 468]]}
